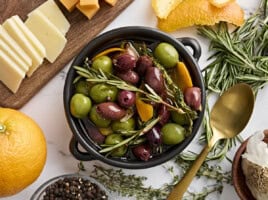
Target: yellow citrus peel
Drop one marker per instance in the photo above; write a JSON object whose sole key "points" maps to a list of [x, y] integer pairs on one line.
{"points": [[107, 51], [162, 8], [220, 3], [144, 110], [201, 12], [182, 76]]}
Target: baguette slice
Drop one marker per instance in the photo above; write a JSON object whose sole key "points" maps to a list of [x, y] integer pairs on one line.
{"points": [[162, 8]]}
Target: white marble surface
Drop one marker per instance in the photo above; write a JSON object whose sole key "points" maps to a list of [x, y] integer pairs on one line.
{"points": [[46, 108]]}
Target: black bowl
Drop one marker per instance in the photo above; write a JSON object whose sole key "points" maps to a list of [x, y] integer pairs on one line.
{"points": [[105, 41]]}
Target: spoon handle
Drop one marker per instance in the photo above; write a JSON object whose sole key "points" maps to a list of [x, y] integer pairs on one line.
{"points": [[182, 186]]}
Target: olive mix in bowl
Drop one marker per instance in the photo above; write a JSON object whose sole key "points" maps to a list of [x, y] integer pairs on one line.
{"points": [[134, 100]]}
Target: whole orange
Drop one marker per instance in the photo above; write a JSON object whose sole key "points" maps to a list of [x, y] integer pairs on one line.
{"points": [[22, 151]]}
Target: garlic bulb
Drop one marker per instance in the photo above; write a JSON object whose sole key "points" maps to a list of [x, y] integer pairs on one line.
{"points": [[255, 166]]}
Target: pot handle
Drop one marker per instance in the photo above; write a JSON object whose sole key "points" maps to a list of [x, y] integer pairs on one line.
{"points": [[193, 44], [83, 156]]}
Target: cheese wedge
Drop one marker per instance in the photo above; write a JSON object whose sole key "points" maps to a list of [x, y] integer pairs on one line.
{"points": [[52, 39], [30, 36], [10, 74], [8, 51], [89, 2], [88, 11], [69, 4], [15, 32], [55, 16], [14, 46]]}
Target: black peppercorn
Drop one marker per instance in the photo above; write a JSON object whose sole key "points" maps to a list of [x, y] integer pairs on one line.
{"points": [[74, 188]]}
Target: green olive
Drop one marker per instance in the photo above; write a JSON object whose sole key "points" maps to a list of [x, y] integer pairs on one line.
{"points": [[98, 120], [166, 54], [179, 118], [80, 105], [172, 133], [103, 63], [83, 87], [113, 139], [103, 92], [124, 127]]}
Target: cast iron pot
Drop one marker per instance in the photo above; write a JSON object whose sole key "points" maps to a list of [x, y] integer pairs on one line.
{"points": [[109, 39]]}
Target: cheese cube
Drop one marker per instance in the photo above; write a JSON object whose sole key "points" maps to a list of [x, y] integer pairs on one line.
{"points": [[88, 11], [89, 3], [111, 2], [10, 74], [8, 51], [30, 36], [53, 40], [14, 46], [55, 16], [69, 4], [15, 32]]}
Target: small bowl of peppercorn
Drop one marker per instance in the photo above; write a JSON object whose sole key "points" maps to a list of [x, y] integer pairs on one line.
{"points": [[71, 186]]}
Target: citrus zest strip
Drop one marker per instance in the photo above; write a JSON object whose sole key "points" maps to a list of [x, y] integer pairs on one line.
{"points": [[107, 51]]}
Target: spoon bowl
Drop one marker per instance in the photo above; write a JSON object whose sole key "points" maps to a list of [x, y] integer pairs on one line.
{"points": [[228, 117]]}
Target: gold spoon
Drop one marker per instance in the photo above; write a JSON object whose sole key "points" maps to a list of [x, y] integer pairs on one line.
{"points": [[228, 117]]}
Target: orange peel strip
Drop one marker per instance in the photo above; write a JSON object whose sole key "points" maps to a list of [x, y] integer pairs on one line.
{"points": [[107, 51], [201, 12], [183, 77]]}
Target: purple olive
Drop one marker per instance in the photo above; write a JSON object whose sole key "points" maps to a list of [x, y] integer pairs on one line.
{"points": [[129, 76], [142, 152], [110, 110], [126, 98], [154, 136], [154, 78], [192, 97], [143, 63], [124, 62], [94, 133], [164, 114]]}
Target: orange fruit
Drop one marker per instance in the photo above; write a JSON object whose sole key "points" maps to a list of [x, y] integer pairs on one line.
{"points": [[201, 12], [22, 151]]}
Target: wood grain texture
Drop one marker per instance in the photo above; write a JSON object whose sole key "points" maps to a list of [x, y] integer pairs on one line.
{"points": [[81, 32]]}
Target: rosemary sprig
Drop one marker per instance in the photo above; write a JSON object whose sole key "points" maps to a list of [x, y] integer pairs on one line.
{"points": [[139, 133], [238, 56], [94, 76]]}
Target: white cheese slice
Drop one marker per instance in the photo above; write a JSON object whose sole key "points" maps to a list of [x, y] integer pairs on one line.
{"points": [[10, 74], [14, 46], [15, 32], [52, 39], [30, 36], [8, 51], [55, 16]]}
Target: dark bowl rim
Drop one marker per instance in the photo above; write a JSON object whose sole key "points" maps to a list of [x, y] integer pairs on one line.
{"points": [[106, 37]]}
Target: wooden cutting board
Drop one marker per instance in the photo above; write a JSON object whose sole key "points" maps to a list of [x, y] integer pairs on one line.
{"points": [[81, 32]]}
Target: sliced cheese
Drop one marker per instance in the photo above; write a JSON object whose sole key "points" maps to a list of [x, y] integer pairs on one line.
{"points": [[53, 40], [111, 2], [55, 16], [8, 51], [15, 32], [30, 36], [88, 11], [14, 46], [69, 4], [10, 74], [89, 2]]}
